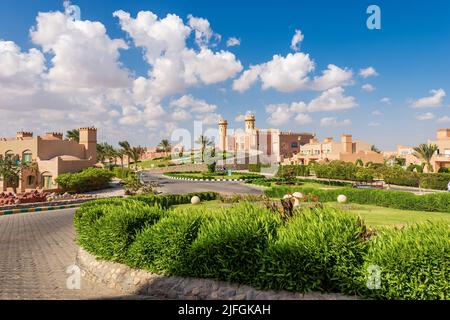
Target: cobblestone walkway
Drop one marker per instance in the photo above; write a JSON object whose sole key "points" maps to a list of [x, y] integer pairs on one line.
{"points": [[35, 251]]}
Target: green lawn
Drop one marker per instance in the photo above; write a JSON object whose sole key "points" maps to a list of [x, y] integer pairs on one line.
{"points": [[153, 163], [373, 216], [380, 216]]}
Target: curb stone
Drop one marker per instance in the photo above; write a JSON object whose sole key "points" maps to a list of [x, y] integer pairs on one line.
{"points": [[207, 180], [38, 209], [133, 281]]}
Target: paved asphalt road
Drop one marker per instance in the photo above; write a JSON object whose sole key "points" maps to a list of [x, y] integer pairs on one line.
{"points": [[37, 248], [182, 186]]}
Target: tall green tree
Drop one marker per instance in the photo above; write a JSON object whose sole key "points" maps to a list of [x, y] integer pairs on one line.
{"points": [[10, 172], [126, 148], [204, 142], [136, 154], [165, 146], [73, 135], [105, 151], [425, 152], [121, 155]]}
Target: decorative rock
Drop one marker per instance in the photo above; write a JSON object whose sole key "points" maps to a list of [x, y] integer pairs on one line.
{"points": [[195, 200], [342, 198], [297, 195]]}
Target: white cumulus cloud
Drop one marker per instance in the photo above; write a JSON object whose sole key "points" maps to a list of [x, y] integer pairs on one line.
{"points": [[297, 40], [425, 116], [368, 72], [368, 87], [435, 99], [334, 122], [233, 41]]}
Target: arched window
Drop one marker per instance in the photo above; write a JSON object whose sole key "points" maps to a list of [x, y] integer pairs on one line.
{"points": [[27, 156], [47, 180], [9, 154]]}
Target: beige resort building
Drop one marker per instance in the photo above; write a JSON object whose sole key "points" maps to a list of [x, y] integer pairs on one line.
{"points": [[253, 145], [440, 159], [327, 150], [51, 155]]}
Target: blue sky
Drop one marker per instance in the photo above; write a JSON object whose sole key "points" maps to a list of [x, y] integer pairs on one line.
{"points": [[410, 55]]}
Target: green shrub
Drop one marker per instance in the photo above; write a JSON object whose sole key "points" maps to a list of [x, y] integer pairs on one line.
{"points": [[400, 177], [212, 167], [414, 263], [230, 246], [437, 181], [109, 230], [87, 180], [318, 250], [164, 247], [443, 170], [254, 167], [417, 167], [291, 171], [168, 200]]}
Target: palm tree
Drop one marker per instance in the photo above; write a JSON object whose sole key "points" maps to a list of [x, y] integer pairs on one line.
{"points": [[425, 152], [120, 154], [135, 154], [204, 142], [126, 147], [165, 146], [73, 135], [105, 151]]}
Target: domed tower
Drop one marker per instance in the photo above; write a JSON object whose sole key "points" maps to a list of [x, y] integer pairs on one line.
{"points": [[249, 122], [223, 125]]}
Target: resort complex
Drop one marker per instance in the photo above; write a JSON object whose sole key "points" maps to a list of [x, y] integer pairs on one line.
{"points": [[344, 150], [440, 158], [254, 145], [247, 152], [47, 156]]}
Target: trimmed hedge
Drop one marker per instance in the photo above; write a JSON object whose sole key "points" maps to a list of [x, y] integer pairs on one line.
{"points": [[267, 182], [87, 180], [292, 171], [439, 202], [343, 171], [438, 181], [168, 200], [414, 263], [318, 250], [257, 167], [391, 175]]}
